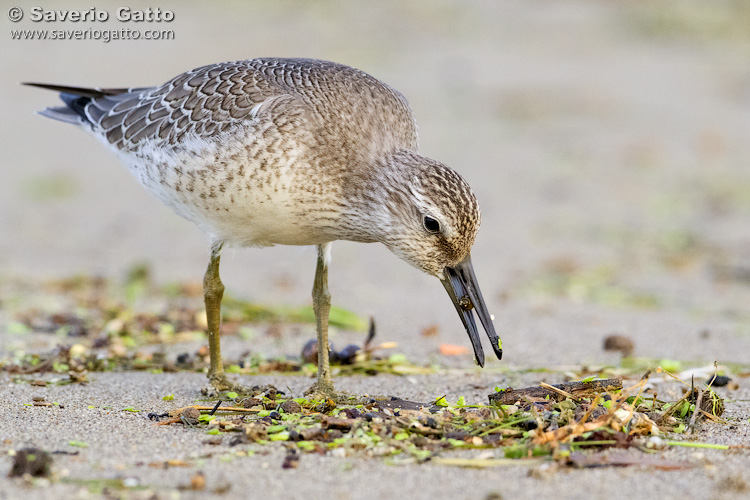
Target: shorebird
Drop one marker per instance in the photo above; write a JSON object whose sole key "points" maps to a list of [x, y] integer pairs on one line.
{"points": [[291, 152]]}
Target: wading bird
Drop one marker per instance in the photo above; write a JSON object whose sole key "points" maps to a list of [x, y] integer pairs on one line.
{"points": [[291, 152]]}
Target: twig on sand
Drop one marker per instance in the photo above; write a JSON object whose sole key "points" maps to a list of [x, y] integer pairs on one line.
{"points": [[557, 391]]}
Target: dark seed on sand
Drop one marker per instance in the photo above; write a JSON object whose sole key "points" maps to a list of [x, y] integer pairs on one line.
{"points": [[184, 360], [718, 381], [348, 355], [310, 352]]}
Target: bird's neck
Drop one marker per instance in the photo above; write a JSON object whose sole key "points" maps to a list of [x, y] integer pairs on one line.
{"points": [[375, 194]]}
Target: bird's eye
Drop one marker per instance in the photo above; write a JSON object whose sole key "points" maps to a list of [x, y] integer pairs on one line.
{"points": [[431, 224]]}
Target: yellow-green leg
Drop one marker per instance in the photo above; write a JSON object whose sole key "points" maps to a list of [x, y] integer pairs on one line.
{"points": [[322, 307], [213, 291]]}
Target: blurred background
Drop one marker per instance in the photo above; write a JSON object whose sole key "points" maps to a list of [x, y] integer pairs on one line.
{"points": [[608, 144]]}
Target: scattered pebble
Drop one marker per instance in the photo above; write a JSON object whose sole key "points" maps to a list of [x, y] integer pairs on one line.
{"points": [[250, 402], [190, 415], [131, 482], [656, 443], [619, 343], [198, 482], [291, 460], [33, 461], [291, 406]]}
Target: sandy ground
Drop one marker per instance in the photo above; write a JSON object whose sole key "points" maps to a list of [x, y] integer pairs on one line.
{"points": [[606, 143]]}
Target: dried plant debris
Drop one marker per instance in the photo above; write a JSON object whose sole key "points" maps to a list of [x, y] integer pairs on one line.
{"points": [[106, 328], [565, 423], [558, 392]]}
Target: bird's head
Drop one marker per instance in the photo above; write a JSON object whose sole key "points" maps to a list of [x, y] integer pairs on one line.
{"points": [[430, 219]]}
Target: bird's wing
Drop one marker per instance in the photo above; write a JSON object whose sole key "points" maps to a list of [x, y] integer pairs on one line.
{"points": [[208, 101], [203, 102]]}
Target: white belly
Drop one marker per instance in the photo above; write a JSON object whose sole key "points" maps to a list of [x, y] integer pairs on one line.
{"points": [[236, 198]]}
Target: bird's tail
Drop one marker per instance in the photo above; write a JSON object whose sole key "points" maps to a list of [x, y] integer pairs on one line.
{"points": [[76, 100]]}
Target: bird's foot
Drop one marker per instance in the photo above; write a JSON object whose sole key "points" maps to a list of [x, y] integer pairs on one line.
{"points": [[322, 391], [219, 383]]}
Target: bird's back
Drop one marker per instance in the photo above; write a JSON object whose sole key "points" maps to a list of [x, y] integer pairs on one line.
{"points": [[255, 152], [339, 104]]}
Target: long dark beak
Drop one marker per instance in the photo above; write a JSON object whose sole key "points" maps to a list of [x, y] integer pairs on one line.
{"points": [[461, 284]]}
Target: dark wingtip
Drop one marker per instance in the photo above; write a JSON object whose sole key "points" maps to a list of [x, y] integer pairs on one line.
{"points": [[77, 91]]}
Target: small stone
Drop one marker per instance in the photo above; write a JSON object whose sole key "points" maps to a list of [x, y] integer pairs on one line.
{"points": [[131, 482], [190, 415], [118, 351], [256, 432], [418, 440], [291, 460], [250, 402], [198, 482], [312, 433], [291, 406], [656, 443], [351, 413], [338, 423], [619, 343], [33, 461], [270, 392], [77, 351]]}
